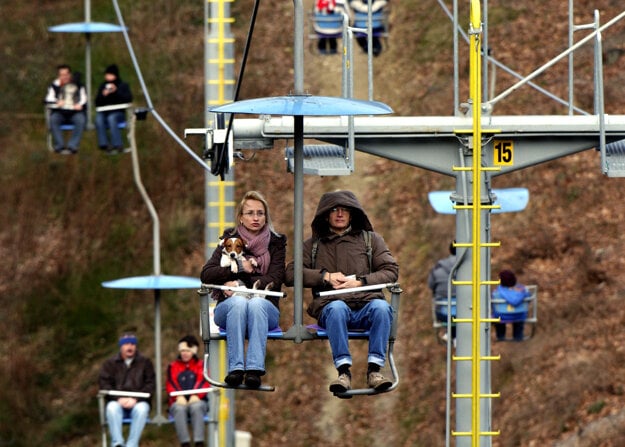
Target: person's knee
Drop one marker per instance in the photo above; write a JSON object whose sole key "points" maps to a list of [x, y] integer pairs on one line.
{"points": [[142, 408], [381, 309], [336, 308], [178, 409], [257, 305]]}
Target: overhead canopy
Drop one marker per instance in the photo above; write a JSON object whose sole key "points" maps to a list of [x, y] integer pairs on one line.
{"points": [[510, 200], [305, 105], [86, 27], [154, 282]]}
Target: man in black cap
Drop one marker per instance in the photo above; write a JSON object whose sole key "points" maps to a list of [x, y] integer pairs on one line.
{"points": [[112, 91]]}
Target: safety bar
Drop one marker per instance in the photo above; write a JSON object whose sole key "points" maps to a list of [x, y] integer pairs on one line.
{"points": [[113, 107], [193, 391], [117, 393], [245, 290], [357, 289]]}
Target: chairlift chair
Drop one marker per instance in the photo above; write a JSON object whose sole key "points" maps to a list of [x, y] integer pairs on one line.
{"points": [[441, 306], [211, 332], [326, 25], [68, 127], [102, 394]]}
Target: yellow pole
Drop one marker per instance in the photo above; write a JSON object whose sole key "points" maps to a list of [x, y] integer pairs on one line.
{"points": [[219, 80], [475, 94]]}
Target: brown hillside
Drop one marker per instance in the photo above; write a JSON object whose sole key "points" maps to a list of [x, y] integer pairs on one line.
{"points": [[70, 223]]}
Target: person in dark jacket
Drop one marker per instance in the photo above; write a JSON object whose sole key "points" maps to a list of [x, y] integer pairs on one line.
{"points": [[184, 374], [239, 314], [127, 371], [112, 91], [342, 262], [438, 282]]}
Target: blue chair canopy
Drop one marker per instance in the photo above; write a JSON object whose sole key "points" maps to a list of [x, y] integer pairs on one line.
{"points": [[153, 282], [305, 105], [86, 27], [510, 199]]}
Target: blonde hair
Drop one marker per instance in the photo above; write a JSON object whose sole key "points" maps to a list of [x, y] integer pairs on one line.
{"points": [[255, 195]]}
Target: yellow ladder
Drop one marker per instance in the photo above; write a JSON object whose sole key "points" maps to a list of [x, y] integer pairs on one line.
{"points": [[476, 245]]}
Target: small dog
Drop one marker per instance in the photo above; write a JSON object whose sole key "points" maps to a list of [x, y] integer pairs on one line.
{"points": [[256, 286], [233, 249]]}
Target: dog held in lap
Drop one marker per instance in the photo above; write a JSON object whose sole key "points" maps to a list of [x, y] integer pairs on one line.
{"points": [[233, 253]]}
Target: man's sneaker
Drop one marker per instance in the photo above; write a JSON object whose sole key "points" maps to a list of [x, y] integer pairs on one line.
{"points": [[342, 384], [377, 381]]}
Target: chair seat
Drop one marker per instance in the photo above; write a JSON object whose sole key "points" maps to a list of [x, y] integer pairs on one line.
{"points": [[352, 333], [273, 333]]}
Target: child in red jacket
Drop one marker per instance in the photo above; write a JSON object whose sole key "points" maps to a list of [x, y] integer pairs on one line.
{"points": [[183, 374]]}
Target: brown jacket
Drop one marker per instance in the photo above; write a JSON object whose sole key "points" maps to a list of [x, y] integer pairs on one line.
{"points": [[343, 253], [139, 377]]}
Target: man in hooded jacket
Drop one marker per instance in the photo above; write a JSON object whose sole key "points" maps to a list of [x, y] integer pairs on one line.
{"points": [[341, 261]]}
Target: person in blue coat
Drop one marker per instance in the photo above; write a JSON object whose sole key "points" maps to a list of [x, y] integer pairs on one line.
{"points": [[514, 309]]}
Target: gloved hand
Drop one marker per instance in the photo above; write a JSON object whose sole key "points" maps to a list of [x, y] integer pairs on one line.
{"points": [[193, 399], [181, 400]]}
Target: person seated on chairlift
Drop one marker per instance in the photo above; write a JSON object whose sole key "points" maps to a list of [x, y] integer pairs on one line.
{"points": [[112, 91], [186, 373], [238, 313], [514, 308], [341, 261], [66, 97], [362, 7], [438, 282], [325, 44]]}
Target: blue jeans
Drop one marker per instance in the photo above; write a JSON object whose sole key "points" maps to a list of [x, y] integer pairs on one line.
{"points": [[60, 117], [139, 416], [191, 412], [109, 120], [336, 318], [253, 317]]}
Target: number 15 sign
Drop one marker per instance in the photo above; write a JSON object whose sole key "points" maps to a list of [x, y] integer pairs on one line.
{"points": [[503, 153]]}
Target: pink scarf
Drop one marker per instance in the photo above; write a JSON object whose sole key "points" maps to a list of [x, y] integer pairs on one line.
{"points": [[258, 245]]}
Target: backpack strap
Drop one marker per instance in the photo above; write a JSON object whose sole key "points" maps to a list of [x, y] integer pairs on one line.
{"points": [[367, 236], [313, 254]]}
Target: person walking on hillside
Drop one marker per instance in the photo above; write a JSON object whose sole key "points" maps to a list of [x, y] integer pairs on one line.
{"points": [[66, 98], [237, 313], [112, 91], [340, 261], [127, 371], [513, 309], [186, 373]]}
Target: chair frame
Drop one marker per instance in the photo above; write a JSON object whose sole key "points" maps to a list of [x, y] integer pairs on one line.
{"points": [[440, 327], [211, 332], [102, 394], [68, 127]]}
